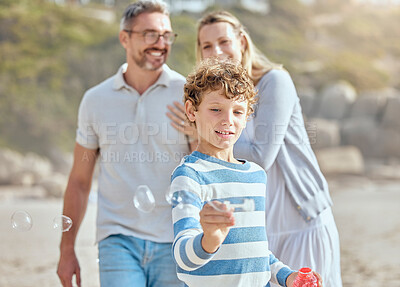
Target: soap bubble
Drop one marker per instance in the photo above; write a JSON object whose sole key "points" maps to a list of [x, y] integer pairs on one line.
{"points": [[143, 199], [21, 221], [174, 198], [62, 222]]}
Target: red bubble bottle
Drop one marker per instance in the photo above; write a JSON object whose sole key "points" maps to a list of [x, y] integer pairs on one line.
{"points": [[305, 278]]}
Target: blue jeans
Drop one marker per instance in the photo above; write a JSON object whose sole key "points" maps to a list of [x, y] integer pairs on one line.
{"points": [[126, 261]]}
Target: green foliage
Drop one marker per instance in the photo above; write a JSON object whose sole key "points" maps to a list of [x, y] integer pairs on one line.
{"points": [[183, 57], [40, 93], [348, 50]]}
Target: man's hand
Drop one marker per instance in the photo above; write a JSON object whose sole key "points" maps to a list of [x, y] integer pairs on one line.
{"points": [[67, 267]]}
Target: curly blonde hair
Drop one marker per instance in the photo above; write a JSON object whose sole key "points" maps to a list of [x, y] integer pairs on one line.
{"points": [[213, 74]]}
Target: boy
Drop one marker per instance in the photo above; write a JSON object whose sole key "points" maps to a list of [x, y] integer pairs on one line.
{"points": [[217, 246]]}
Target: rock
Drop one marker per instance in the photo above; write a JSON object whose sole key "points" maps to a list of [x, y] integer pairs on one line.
{"points": [[308, 102], [40, 167], [391, 114], [24, 178], [11, 162], [54, 185], [383, 171], [336, 101], [61, 161], [340, 160], [323, 133], [362, 133], [387, 142], [369, 105], [371, 138]]}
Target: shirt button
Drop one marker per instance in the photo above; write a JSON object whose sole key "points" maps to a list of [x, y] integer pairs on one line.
{"points": [[298, 207], [308, 218]]}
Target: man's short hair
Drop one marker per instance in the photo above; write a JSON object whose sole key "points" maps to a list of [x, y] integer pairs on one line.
{"points": [[137, 8], [213, 74]]}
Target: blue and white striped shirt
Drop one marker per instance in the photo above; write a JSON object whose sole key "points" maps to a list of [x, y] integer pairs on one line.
{"points": [[244, 258]]}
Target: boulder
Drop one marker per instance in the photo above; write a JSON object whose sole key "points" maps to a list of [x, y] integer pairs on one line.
{"points": [[22, 177], [387, 143], [369, 105], [383, 171], [336, 100], [341, 160], [54, 185], [308, 102], [39, 166], [11, 162], [322, 133], [360, 132], [391, 114], [61, 161]]}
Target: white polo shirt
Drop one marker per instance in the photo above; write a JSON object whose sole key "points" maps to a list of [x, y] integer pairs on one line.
{"points": [[138, 146]]}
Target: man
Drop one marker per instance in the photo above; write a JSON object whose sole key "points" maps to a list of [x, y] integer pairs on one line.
{"points": [[122, 122]]}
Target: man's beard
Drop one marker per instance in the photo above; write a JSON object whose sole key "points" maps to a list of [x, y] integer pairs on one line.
{"points": [[143, 63]]}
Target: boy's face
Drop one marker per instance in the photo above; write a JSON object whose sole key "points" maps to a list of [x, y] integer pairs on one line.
{"points": [[219, 120]]}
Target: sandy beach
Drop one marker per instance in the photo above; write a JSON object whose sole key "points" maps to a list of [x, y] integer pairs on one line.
{"points": [[366, 213]]}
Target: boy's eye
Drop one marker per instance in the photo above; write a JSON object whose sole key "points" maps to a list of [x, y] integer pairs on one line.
{"points": [[224, 42], [215, 110], [206, 47], [238, 112]]}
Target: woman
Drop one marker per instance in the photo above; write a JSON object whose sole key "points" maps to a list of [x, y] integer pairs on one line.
{"points": [[300, 225]]}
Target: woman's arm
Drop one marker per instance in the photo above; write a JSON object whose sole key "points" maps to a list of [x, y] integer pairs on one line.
{"points": [[277, 99]]}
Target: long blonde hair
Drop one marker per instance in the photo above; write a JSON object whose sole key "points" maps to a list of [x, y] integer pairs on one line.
{"points": [[253, 60]]}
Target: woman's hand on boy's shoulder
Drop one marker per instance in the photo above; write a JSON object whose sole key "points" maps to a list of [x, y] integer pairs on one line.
{"points": [[180, 122]]}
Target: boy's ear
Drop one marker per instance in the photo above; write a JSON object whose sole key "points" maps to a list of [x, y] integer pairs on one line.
{"points": [[190, 111]]}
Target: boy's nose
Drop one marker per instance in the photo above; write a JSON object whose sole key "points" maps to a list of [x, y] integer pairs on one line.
{"points": [[227, 119]]}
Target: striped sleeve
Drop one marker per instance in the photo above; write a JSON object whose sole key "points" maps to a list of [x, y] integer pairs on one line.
{"points": [[279, 271], [187, 250]]}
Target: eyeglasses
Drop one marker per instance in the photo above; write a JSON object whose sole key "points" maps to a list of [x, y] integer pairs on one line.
{"points": [[151, 37]]}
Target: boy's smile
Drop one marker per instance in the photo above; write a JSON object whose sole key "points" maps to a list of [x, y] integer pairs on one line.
{"points": [[219, 121], [224, 134]]}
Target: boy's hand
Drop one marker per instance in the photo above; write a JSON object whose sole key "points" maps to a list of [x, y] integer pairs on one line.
{"points": [[216, 225], [292, 277]]}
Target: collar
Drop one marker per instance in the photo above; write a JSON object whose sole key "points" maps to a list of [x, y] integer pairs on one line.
{"points": [[163, 80]]}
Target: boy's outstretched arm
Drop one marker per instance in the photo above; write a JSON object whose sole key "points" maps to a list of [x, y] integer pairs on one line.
{"points": [[195, 222], [280, 273], [199, 231]]}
